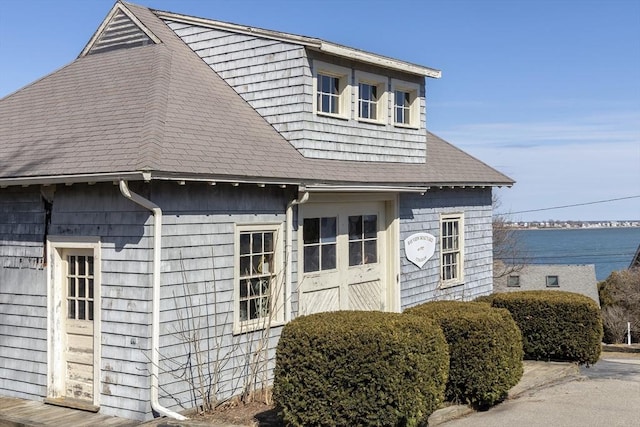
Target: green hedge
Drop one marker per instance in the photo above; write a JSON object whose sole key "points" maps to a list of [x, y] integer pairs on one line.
{"points": [[485, 348], [359, 368], [555, 325]]}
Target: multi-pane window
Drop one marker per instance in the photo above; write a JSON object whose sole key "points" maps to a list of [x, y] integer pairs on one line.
{"points": [[368, 101], [328, 94], [402, 107], [80, 283], [553, 282], [363, 239], [451, 248], [319, 242], [257, 276]]}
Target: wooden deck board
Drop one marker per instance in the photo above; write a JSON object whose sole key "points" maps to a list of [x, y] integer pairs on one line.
{"points": [[22, 412]]}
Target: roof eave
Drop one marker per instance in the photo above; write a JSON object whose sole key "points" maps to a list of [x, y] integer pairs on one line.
{"points": [[309, 42], [73, 179], [378, 60]]}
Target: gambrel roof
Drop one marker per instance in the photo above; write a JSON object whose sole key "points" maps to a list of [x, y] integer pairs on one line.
{"points": [[156, 110]]}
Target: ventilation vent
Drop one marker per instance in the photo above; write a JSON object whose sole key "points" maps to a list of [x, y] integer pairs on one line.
{"points": [[120, 33]]}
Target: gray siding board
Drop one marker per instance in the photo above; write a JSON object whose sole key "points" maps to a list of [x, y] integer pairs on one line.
{"points": [[22, 228]]}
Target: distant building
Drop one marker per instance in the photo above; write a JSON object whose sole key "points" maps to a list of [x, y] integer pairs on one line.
{"points": [[580, 279]]}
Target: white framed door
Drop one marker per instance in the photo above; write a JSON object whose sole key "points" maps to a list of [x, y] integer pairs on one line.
{"points": [[74, 324], [344, 257]]}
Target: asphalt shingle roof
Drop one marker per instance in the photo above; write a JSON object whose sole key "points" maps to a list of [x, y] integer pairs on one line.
{"points": [[159, 108]]}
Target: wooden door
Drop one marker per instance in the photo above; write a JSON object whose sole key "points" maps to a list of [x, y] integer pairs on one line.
{"points": [[342, 257], [78, 336]]}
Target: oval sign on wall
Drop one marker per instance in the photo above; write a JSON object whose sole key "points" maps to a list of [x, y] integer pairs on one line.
{"points": [[419, 247]]}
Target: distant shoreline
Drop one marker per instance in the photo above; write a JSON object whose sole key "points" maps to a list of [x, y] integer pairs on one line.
{"points": [[571, 228]]}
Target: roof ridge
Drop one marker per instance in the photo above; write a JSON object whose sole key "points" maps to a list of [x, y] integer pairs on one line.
{"points": [[156, 113]]}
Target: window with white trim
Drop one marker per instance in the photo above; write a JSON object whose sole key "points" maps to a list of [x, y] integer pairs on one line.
{"points": [[372, 97], [332, 89], [406, 104], [259, 288], [451, 249]]}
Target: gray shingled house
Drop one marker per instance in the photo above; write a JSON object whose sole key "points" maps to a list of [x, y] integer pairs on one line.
{"points": [[186, 186], [577, 278]]}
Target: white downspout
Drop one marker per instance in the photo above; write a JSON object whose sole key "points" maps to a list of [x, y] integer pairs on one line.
{"points": [[288, 252], [155, 302]]}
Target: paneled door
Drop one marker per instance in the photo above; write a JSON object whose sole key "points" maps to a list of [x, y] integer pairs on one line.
{"points": [[78, 336], [343, 265]]}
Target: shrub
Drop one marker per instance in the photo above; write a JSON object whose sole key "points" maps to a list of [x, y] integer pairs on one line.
{"points": [[485, 349], [620, 301], [359, 368], [555, 325]]}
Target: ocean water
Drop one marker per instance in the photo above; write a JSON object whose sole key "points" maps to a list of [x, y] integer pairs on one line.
{"points": [[610, 249]]}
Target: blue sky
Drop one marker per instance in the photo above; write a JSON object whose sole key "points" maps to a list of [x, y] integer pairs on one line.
{"points": [[546, 91]]}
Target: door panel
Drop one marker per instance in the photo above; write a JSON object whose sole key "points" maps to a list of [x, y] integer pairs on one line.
{"points": [[357, 279], [366, 296], [320, 301], [78, 325]]}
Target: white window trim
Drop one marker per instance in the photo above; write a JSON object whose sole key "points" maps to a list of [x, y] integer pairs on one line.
{"points": [[382, 105], [55, 364], [278, 306], [344, 76], [414, 109], [459, 280]]}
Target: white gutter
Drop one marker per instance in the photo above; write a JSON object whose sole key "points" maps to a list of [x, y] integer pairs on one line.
{"points": [[155, 303], [289, 251], [72, 179], [319, 188]]}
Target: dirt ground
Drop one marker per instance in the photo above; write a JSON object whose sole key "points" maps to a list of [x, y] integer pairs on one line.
{"points": [[254, 414]]}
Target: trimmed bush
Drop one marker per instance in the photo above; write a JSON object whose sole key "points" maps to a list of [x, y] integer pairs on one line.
{"points": [[555, 325], [485, 348], [360, 368]]}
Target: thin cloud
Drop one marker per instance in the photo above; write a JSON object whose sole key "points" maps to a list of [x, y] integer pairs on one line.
{"points": [[603, 129]]}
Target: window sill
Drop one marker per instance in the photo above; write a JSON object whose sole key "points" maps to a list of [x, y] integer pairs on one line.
{"points": [[371, 122], [451, 284], [404, 126], [256, 326], [331, 115]]}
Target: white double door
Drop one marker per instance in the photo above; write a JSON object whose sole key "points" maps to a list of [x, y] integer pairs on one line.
{"points": [[342, 257]]}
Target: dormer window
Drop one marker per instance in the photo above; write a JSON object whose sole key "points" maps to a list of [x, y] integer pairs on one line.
{"points": [[402, 107], [332, 90], [328, 94], [368, 101], [372, 97], [406, 104]]}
